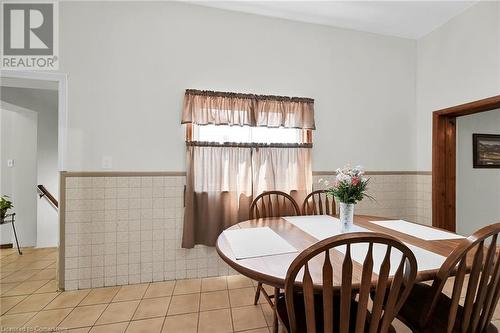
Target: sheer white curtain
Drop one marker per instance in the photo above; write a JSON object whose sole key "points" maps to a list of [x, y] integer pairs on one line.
{"points": [[282, 169]]}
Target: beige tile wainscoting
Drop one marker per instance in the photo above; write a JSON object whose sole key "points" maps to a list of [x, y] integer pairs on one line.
{"points": [[424, 199], [120, 228], [395, 195], [125, 229]]}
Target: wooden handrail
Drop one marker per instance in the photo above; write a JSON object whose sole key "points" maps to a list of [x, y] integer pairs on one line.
{"points": [[45, 193]]}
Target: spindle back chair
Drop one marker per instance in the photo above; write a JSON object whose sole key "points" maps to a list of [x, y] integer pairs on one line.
{"points": [[334, 311], [319, 203], [273, 204], [478, 256]]}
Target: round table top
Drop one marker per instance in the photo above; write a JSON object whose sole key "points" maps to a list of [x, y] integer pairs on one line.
{"points": [[272, 269]]}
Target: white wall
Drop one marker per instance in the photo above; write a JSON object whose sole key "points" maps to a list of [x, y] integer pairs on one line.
{"points": [[129, 64], [478, 190], [457, 63], [18, 140], [44, 102]]}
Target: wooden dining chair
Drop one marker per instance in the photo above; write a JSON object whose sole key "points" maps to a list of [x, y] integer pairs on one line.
{"points": [[272, 204], [429, 310], [319, 203], [311, 303]]}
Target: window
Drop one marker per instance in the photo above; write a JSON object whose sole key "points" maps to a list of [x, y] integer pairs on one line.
{"points": [[238, 146], [246, 134]]}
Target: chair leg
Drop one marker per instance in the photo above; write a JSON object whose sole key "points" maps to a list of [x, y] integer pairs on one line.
{"points": [[275, 311], [257, 293], [15, 235], [273, 304]]}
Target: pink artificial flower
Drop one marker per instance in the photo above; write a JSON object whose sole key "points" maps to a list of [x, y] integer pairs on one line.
{"points": [[355, 181]]}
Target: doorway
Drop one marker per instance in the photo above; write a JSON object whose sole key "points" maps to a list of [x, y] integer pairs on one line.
{"points": [[478, 171], [444, 158], [33, 120]]}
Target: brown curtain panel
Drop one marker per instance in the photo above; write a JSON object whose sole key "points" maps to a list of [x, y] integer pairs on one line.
{"points": [[223, 108], [218, 192]]}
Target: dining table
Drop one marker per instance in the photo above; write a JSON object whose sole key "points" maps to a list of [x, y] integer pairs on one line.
{"points": [[271, 270]]}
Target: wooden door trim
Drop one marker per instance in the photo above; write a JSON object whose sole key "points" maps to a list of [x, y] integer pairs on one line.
{"points": [[444, 158]]}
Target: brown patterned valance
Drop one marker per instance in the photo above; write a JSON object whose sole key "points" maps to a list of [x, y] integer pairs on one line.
{"points": [[203, 107], [248, 144]]}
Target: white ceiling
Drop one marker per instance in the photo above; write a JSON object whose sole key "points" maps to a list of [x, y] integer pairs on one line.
{"points": [[409, 19]]}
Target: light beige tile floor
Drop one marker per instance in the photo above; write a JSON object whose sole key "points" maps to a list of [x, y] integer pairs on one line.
{"points": [[29, 300]]}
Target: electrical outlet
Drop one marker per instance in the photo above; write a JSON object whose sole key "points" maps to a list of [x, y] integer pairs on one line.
{"points": [[10, 163], [107, 162]]}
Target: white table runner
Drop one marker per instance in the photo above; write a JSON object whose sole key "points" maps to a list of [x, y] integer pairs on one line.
{"points": [[323, 226], [256, 242], [320, 226], [417, 230], [426, 260]]}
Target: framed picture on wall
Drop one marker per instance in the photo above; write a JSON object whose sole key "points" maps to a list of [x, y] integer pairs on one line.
{"points": [[486, 150]]}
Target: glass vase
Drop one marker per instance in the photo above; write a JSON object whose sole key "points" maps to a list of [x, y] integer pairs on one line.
{"points": [[346, 216]]}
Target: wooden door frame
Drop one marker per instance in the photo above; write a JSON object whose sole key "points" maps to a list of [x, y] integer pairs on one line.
{"points": [[444, 158]]}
